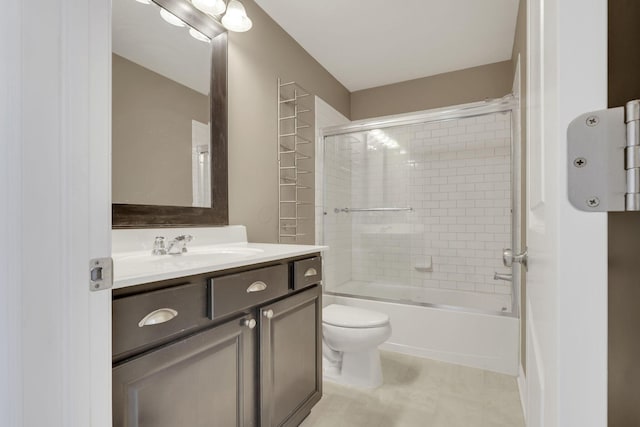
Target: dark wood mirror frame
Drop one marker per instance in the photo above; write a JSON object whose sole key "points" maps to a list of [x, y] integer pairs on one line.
{"points": [[152, 216]]}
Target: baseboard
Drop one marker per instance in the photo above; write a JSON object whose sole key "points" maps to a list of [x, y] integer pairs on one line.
{"points": [[522, 388]]}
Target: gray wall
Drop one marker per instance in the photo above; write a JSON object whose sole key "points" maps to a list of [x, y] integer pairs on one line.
{"points": [[256, 59], [456, 87], [624, 232], [151, 136]]}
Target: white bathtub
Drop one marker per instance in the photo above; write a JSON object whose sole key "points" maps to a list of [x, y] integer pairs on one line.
{"points": [[450, 334], [478, 301]]}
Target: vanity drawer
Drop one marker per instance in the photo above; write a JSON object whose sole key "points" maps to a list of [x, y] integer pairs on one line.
{"points": [[307, 272], [239, 291], [145, 320]]}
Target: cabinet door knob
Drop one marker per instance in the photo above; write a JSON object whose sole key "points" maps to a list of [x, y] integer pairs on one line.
{"points": [[268, 314], [249, 323]]}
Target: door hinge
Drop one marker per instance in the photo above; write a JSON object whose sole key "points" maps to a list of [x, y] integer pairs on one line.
{"points": [[100, 274], [604, 160]]}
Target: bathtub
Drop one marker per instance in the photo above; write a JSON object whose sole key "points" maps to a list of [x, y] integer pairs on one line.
{"points": [[485, 335]]}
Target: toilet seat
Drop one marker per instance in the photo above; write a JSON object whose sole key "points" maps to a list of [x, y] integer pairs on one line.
{"points": [[353, 317]]}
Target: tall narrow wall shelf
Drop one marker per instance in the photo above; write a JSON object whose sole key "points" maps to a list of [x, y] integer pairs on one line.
{"points": [[295, 163]]}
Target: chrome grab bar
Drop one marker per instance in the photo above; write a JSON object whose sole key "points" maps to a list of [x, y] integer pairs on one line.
{"points": [[347, 210]]}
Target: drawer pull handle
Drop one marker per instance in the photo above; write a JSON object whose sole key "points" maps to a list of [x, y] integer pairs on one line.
{"points": [[268, 314], [249, 323], [158, 316], [310, 272], [257, 286]]}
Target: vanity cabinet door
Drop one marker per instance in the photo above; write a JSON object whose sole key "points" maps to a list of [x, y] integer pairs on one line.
{"points": [[290, 358], [204, 380]]}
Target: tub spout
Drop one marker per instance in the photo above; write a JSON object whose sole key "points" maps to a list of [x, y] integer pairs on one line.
{"points": [[499, 276]]}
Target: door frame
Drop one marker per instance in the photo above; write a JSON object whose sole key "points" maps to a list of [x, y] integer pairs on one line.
{"points": [[519, 221], [567, 279]]}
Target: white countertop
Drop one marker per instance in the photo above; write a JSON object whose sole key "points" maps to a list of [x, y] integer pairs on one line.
{"points": [[139, 266]]}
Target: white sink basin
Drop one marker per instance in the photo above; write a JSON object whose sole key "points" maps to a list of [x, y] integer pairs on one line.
{"points": [[194, 254], [230, 250], [145, 263]]}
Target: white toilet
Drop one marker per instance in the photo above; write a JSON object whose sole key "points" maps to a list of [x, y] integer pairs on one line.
{"points": [[350, 340]]}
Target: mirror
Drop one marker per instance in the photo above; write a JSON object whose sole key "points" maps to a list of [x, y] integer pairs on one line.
{"points": [[161, 78], [169, 115]]}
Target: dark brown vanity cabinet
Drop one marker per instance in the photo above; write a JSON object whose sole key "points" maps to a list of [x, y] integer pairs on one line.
{"points": [[237, 349], [290, 358], [205, 380]]}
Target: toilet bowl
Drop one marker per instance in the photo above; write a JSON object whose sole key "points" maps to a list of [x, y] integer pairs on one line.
{"points": [[350, 340]]}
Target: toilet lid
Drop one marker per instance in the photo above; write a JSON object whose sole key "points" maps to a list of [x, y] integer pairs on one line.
{"points": [[352, 317]]}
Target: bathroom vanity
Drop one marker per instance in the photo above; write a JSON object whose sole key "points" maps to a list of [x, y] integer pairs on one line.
{"points": [[227, 333], [238, 343]]}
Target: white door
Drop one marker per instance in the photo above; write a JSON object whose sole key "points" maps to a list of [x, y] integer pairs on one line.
{"points": [[567, 279], [55, 211]]}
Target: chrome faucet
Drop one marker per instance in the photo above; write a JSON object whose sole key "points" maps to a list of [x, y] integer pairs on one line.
{"points": [[159, 247], [176, 247], [179, 245]]}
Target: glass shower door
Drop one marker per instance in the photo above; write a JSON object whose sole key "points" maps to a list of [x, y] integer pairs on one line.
{"points": [[368, 211], [420, 213]]}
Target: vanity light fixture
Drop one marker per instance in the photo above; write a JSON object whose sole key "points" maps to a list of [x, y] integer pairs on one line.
{"points": [[235, 16], [211, 7], [171, 18], [198, 35], [236, 19], [174, 20]]}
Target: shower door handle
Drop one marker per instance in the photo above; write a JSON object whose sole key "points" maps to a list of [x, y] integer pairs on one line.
{"points": [[508, 258]]}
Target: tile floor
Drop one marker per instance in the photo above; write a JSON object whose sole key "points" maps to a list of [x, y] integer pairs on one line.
{"points": [[422, 393]]}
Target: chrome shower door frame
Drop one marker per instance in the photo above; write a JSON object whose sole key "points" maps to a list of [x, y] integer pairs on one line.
{"points": [[508, 103]]}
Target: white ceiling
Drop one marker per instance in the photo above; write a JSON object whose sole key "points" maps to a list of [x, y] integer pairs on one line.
{"points": [[142, 36], [369, 43]]}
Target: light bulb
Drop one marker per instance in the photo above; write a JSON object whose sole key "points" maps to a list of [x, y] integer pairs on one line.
{"points": [[198, 35], [211, 7], [171, 18], [236, 18]]}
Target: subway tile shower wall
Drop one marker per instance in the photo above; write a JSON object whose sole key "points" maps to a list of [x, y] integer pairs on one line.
{"points": [[455, 174]]}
